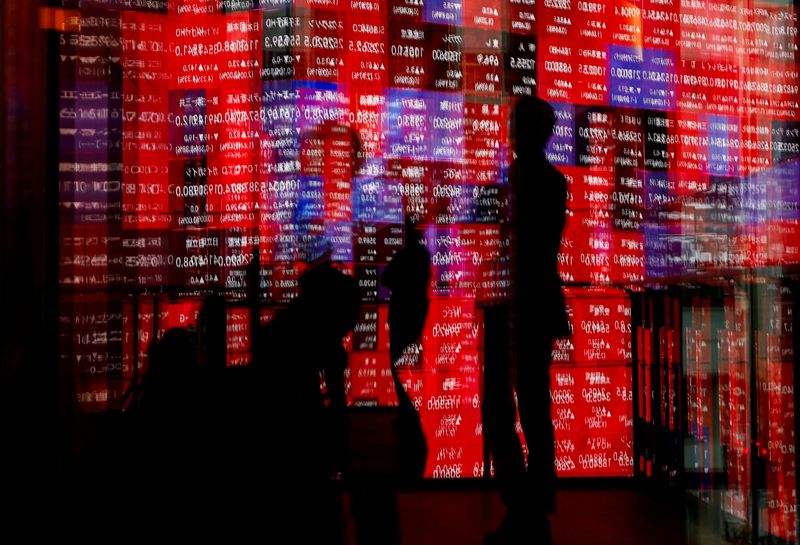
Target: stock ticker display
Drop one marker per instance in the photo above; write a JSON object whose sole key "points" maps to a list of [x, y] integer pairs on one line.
{"points": [[727, 379], [199, 135]]}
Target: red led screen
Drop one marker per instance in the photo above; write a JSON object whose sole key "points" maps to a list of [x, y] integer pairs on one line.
{"points": [[197, 136]]}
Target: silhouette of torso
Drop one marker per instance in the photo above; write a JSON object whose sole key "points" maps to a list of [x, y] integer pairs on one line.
{"points": [[407, 276], [539, 215], [307, 429]]}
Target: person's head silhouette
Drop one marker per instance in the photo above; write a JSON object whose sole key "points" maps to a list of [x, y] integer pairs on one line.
{"points": [[532, 123]]}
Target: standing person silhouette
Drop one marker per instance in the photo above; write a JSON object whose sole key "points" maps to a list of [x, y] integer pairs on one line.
{"points": [[537, 316], [407, 276], [297, 436]]}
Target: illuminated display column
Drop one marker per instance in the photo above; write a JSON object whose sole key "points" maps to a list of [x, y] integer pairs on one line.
{"points": [[591, 390], [448, 397], [733, 357], [449, 401], [699, 395], [777, 411], [659, 412], [90, 179]]}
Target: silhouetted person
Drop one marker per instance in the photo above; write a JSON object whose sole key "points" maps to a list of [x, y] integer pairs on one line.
{"points": [[407, 276], [536, 315], [172, 395], [299, 435]]}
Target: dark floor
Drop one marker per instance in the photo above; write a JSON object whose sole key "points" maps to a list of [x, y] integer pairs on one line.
{"points": [[585, 517]]}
